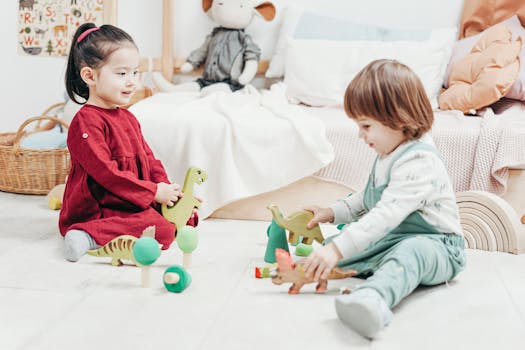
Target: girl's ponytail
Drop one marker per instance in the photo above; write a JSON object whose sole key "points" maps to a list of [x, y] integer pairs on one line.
{"points": [[75, 86]]}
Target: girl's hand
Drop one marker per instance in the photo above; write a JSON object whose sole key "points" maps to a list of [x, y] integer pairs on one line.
{"points": [[322, 261], [167, 193], [320, 215]]}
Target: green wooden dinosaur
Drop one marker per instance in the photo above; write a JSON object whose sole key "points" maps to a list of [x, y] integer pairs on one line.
{"points": [[296, 225], [180, 213]]}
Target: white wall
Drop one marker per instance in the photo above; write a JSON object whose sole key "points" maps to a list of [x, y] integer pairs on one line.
{"points": [[389, 13], [31, 84]]}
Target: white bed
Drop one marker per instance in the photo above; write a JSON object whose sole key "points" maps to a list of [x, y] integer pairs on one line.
{"points": [[248, 142], [480, 152]]}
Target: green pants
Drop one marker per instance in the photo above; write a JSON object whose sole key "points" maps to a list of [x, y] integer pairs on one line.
{"points": [[398, 264]]}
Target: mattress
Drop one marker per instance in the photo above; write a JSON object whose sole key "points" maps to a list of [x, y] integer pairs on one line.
{"points": [[478, 151]]}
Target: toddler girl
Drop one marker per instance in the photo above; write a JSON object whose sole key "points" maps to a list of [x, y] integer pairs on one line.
{"points": [[115, 182]]}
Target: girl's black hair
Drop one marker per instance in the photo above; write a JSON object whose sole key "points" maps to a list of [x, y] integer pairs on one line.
{"points": [[92, 51]]}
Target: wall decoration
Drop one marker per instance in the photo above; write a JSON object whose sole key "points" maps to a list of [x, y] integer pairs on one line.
{"points": [[47, 26]]}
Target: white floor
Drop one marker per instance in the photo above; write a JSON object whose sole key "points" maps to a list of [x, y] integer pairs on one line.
{"points": [[48, 303]]}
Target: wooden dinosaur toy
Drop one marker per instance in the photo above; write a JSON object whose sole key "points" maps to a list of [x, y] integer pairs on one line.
{"points": [[55, 196], [287, 271], [296, 226], [180, 213], [121, 248]]}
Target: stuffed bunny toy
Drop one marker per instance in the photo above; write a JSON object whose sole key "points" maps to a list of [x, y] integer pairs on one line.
{"points": [[229, 55]]}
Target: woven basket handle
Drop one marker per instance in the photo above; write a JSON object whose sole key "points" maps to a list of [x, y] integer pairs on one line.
{"points": [[19, 133], [46, 112], [55, 106]]}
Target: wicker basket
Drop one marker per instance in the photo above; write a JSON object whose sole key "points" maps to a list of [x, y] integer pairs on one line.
{"points": [[31, 171]]}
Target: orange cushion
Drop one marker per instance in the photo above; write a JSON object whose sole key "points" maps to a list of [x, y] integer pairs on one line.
{"points": [[485, 74], [478, 15]]}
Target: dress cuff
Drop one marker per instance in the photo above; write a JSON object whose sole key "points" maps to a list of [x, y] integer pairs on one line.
{"points": [[148, 199]]}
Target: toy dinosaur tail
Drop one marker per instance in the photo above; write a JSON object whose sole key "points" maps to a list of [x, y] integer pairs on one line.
{"points": [[339, 273]]}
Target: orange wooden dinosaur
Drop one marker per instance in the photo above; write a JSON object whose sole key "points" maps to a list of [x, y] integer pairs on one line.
{"points": [[287, 271]]}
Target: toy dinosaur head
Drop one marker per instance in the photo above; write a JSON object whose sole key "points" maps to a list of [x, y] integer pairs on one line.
{"points": [[284, 260], [274, 209], [197, 175], [284, 264]]}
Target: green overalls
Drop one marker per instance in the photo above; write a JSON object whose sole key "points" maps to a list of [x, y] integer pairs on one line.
{"points": [[414, 253]]}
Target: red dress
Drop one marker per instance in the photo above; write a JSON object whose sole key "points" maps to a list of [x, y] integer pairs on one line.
{"points": [[113, 179]]}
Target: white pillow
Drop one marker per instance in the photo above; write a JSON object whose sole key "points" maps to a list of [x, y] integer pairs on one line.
{"points": [[317, 72], [290, 17], [299, 23]]}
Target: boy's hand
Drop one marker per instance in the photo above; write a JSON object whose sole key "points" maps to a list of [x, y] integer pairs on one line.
{"points": [[167, 193], [322, 261], [321, 215]]}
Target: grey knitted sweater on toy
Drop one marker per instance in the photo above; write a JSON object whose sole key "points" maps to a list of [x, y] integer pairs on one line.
{"points": [[223, 53]]}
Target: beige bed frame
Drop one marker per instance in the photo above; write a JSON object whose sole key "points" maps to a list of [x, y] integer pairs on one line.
{"points": [[307, 191]]}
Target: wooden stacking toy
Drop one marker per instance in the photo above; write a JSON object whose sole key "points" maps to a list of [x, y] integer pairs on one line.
{"points": [[146, 251], [276, 239], [303, 249], [490, 223], [187, 240], [176, 279]]}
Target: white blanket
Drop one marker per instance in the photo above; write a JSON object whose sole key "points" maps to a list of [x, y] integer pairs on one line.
{"points": [[248, 142]]}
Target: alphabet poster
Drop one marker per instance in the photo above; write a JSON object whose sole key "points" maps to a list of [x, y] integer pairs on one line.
{"points": [[47, 26]]}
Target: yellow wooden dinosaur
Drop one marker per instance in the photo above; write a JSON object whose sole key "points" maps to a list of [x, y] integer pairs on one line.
{"points": [[181, 211], [296, 226], [121, 248]]}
